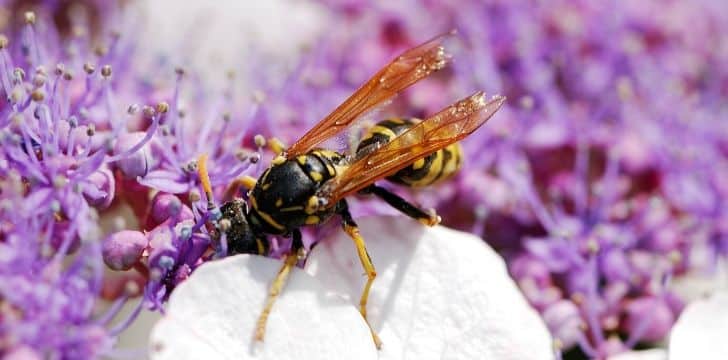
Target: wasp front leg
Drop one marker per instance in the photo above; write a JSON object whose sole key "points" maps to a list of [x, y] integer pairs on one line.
{"points": [[395, 201], [297, 253], [352, 230]]}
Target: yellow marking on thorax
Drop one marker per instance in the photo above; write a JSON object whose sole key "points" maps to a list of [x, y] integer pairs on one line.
{"points": [[331, 170], [316, 176], [291, 208], [279, 202], [278, 160], [268, 219], [312, 205], [301, 159], [265, 216], [312, 220]]}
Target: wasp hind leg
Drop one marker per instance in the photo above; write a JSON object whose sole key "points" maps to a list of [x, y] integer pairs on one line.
{"points": [[395, 201], [352, 230], [297, 253]]}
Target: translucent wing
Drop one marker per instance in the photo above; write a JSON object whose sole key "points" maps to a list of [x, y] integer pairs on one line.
{"points": [[448, 126], [413, 65]]}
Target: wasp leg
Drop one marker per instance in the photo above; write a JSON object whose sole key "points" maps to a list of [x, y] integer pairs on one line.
{"points": [[246, 182], [276, 145], [297, 252], [427, 218], [352, 230]]}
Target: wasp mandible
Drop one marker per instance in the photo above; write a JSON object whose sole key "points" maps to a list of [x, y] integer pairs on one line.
{"points": [[307, 185]]}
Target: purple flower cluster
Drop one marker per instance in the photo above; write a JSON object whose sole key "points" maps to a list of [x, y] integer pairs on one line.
{"points": [[603, 179], [605, 175], [75, 154], [57, 125]]}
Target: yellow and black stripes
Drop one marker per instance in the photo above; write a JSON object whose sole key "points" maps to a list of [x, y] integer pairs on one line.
{"points": [[428, 170]]}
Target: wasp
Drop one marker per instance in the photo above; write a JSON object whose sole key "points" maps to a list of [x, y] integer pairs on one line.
{"points": [[307, 185]]}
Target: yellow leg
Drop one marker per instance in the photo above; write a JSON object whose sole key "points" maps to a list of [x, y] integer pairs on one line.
{"points": [[366, 262], [276, 145], [246, 182], [275, 289]]}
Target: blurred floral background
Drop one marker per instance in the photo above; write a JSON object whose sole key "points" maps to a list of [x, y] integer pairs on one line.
{"points": [[603, 182]]}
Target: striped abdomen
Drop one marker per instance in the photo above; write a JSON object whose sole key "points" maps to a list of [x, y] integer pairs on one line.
{"points": [[428, 170]]}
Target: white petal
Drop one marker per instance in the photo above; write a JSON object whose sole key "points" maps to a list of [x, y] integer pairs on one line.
{"points": [[439, 293], [212, 316], [703, 282], [652, 354], [218, 34], [701, 330]]}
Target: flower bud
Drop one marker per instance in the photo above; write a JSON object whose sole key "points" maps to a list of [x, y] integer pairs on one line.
{"points": [[165, 206], [123, 249], [564, 321], [163, 248], [103, 179], [651, 316], [136, 164]]}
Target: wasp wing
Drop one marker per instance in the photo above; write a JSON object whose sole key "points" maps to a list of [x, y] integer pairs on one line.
{"points": [[411, 66], [448, 126]]}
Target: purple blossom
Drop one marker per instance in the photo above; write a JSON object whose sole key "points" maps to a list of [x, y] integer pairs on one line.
{"points": [[57, 127], [607, 167], [603, 175]]}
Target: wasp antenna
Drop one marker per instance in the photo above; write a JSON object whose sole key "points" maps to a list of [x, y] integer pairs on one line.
{"points": [[205, 179]]}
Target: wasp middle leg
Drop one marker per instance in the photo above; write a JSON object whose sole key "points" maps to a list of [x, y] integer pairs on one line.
{"points": [[395, 201], [296, 253], [352, 230]]}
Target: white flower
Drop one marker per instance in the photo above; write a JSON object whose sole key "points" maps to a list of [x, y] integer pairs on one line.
{"points": [[701, 332], [212, 316], [652, 354], [440, 294]]}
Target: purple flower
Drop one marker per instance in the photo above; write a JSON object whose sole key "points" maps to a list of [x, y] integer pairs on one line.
{"points": [[57, 127], [606, 169]]}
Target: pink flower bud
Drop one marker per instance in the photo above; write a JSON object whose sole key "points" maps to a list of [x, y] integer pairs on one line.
{"points": [[136, 164], [123, 249]]}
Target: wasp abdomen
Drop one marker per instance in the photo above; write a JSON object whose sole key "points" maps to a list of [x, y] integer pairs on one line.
{"points": [[425, 171]]}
